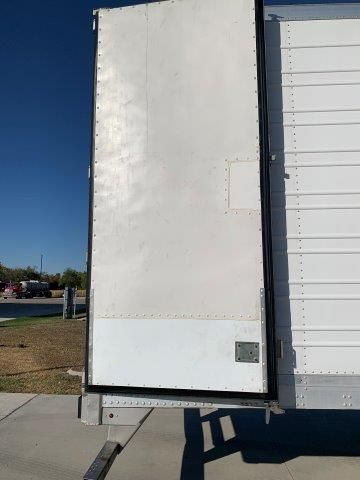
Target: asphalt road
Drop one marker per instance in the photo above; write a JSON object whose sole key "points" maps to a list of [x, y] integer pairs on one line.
{"points": [[12, 308]]}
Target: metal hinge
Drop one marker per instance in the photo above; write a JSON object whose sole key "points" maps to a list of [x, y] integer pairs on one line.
{"points": [[272, 407]]}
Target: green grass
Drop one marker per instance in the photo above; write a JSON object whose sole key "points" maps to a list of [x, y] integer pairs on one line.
{"points": [[37, 352], [24, 321], [42, 319]]}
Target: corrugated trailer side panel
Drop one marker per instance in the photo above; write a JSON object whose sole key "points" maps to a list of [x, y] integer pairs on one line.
{"points": [[314, 101]]}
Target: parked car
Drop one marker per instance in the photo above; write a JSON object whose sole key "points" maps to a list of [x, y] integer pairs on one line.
{"points": [[12, 290]]}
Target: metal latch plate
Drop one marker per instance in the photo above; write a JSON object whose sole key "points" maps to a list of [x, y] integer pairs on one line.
{"points": [[247, 352]]}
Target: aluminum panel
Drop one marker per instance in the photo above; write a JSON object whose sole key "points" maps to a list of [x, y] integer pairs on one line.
{"points": [[313, 97], [315, 117], [317, 11], [320, 313], [335, 32], [296, 391], [316, 136], [320, 392], [207, 345], [327, 57], [177, 197], [335, 181], [334, 222], [314, 114]]}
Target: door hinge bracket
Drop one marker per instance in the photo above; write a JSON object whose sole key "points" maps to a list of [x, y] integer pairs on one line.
{"points": [[274, 408]]}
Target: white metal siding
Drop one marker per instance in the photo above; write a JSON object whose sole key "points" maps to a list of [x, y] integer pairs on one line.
{"points": [[314, 97], [177, 244]]}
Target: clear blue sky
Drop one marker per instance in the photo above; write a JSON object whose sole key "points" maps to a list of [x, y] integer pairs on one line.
{"points": [[46, 84]]}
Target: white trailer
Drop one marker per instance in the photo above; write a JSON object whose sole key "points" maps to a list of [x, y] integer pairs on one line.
{"points": [[224, 258], [313, 69]]}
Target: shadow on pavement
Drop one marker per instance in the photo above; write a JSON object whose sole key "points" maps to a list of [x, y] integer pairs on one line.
{"points": [[296, 433]]}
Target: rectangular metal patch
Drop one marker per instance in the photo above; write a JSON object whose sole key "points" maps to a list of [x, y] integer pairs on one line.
{"points": [[247, 352]]}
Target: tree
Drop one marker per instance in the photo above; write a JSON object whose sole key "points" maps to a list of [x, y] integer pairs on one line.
{"points": [[53, 279], [30, 273], [71, 278], [18, 274], [4, 273], [83, 280]]}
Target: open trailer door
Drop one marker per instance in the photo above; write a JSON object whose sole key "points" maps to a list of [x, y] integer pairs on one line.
{"points": [[180, 291]]}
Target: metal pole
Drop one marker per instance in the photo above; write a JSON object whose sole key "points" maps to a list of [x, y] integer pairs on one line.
{"points": [[68, 310], [41, 265], [66, 300]]}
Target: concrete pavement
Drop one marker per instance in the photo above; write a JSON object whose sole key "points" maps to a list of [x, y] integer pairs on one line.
{"points": [[10, 402], [43, 440]]}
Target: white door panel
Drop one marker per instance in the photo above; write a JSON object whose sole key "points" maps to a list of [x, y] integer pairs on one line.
{"points": [[177, 258]]}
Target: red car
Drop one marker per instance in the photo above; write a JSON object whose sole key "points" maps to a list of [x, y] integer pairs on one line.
{"points": [[12, 290]]}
